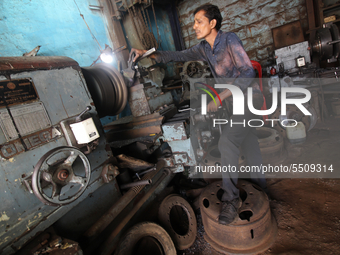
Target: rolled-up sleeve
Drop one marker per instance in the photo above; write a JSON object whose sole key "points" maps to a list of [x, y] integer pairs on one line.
{"points": [[193, 54], [241, 62]]}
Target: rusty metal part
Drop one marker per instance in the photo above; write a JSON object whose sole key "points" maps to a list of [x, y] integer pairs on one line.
{"points": [[53, 165], [91, 146], [20, 64], [254, 230], [287, 34], [146, 238], [109, 172], [133, 163], [50, 243], [134, 184], [59, 246], [63, 174], [193, 193], [271, 145], [138, 175], [178, 219], [118, 207], [109, 245]]}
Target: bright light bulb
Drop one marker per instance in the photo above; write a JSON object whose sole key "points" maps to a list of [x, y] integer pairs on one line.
{"points": [[107, 58]]}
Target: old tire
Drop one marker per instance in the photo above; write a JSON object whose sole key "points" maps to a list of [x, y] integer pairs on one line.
{"points": [[178, 219], [146, 238]]}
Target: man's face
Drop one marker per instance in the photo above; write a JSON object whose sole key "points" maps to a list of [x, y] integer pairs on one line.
{"points": [[202, 26]]}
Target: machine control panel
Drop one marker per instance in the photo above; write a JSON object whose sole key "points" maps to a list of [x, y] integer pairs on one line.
{"points": [[25, 126]]}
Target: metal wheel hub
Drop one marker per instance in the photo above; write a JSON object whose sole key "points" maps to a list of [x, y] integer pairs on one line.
{"points": [[271, 145], [254, 230], [63, 174]]}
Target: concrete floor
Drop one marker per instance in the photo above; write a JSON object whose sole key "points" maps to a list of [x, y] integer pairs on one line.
{"points": [[306, 209]]}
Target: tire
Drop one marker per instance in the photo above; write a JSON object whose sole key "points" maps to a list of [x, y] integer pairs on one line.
{"points": [[146, 238], [178, 219]]}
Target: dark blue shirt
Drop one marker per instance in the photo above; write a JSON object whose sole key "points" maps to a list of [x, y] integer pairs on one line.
{"points": [[227, 59]]}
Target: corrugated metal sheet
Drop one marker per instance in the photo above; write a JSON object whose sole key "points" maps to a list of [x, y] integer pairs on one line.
{"points": [[251, 20]]}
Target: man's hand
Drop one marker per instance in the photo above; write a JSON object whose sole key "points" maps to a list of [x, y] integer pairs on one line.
{"points": [[212, 107], [138, 53]]}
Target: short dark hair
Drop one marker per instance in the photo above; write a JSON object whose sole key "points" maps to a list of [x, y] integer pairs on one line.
{"points": [[211, 12]]}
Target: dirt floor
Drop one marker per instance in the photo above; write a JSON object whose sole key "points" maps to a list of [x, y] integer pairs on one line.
{"points": [[307, 210]]}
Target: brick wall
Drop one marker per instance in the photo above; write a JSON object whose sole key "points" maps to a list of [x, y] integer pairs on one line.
{"points": [[251, 20]]}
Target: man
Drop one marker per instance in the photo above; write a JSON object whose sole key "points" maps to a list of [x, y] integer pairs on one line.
{"points": [[227, 58]]}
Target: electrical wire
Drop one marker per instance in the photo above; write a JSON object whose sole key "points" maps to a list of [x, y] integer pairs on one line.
{"points": [[81, 15]]}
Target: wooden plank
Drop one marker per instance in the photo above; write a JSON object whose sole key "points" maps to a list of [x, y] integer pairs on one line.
{"points": [[310, 14]]}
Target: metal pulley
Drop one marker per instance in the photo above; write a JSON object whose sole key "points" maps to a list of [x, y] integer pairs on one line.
{"points": [[327, 43], [107, 88]]}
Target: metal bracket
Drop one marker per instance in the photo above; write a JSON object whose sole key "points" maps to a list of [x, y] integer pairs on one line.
{"points": [[109, 172], [176, 166]]}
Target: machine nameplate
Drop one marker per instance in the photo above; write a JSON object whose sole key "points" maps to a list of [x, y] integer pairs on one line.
{"points": [[17, 92], [18, 146]]}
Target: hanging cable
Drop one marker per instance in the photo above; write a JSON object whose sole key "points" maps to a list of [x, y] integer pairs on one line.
{"points": [[81, 15]]}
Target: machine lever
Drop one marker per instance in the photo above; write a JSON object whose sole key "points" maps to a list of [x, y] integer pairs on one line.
{"points": [[187, 109], [146, 54], [79, 117], [333, 42]]}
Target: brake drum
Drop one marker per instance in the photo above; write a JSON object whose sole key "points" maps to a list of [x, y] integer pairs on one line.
{"points": [[255, 228]]}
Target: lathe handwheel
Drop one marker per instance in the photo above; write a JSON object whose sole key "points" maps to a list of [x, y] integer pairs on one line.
{"points": [[54, 172]]}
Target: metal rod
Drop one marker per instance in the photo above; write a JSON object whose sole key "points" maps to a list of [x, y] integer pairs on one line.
{"points": [[134, 184], [147, 171], [108, 247], [333, 42], [95, 7], [138, 175], [111, 214], [148, 53]]}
